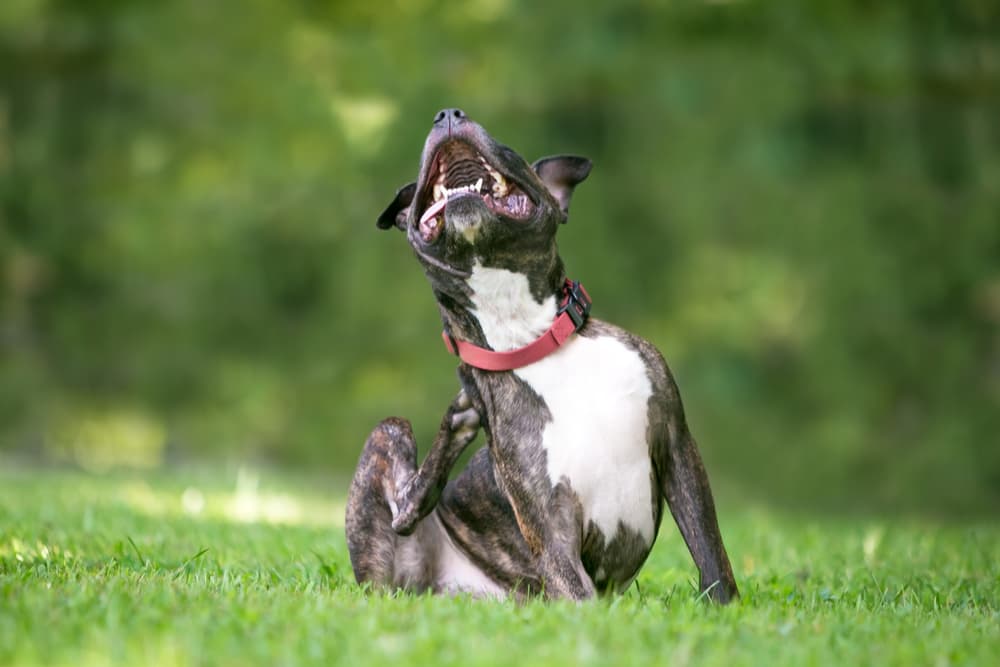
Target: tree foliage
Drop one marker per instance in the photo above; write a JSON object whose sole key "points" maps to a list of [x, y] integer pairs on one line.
{"points": [[798, 202]]}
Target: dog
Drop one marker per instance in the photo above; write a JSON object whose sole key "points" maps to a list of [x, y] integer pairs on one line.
{"points": [[584, 429]]}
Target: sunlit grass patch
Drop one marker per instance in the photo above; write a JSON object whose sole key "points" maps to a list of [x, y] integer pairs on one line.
{"points": [[237, 568]]}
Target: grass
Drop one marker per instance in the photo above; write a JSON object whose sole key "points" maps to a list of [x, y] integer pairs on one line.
{"points": [[187, 568]]}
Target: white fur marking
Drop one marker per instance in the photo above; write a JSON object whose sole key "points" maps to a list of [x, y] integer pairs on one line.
{"points": [[598, 392], [457, 574], [509, 315]]}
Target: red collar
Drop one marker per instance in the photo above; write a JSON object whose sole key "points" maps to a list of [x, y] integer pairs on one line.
{"points": [[570, 318]]}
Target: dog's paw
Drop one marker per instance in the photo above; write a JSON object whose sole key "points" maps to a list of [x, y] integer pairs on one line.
{"points": [[405, 522], [409, 514], [461, 402], [465, 423], [405, 513], [414, 501]]}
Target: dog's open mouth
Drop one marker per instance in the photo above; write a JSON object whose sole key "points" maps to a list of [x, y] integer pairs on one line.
{"points": [[461, 171]]}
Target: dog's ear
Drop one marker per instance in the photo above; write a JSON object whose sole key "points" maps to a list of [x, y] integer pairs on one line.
{"points": [[395, 213], [560, 174]]}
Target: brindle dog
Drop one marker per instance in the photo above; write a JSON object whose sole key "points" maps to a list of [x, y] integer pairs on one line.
{"points": [[582, 446]]}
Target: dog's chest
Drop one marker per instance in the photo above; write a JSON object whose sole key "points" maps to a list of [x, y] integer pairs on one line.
{"points": [[597, 392]]}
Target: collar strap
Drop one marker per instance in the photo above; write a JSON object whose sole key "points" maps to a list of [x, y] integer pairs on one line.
{"points": [[570, 318]]}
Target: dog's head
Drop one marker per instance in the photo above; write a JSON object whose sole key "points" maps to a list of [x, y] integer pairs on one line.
{"points": [[476, 201]]}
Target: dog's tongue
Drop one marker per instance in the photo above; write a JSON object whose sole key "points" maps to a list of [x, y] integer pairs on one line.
{"points": [[433, 210]]}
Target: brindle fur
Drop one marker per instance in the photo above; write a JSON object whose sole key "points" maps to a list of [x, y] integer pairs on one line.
{"points": [[522, 529]]}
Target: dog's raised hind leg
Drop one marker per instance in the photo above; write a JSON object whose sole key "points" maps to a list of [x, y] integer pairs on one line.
{"points": [[387, 460], [419, 493], [389, 497]]}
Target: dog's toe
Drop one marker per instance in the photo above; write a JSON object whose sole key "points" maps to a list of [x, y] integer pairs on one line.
{"points": [[462, 401], [466, 419]]}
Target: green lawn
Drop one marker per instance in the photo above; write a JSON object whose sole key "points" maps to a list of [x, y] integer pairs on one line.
{"points": [[193, 568]]}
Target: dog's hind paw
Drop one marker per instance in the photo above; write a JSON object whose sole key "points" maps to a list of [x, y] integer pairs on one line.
{"points": [[466, 420], [414, 500]]}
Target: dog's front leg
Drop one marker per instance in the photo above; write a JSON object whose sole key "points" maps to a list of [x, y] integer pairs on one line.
{"points": [[562, 571], [550, 520], [684, 483], [418, 495]]}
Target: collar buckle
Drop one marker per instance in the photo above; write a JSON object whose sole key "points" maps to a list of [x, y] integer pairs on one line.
{"points": [[570, 318], [577, 304]]}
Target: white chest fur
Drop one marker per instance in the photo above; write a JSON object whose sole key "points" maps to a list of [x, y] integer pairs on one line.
{"points": [[508, 314], [597, 392]]}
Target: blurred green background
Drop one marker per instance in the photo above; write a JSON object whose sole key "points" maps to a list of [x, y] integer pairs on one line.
{"points": [[799, 203]]}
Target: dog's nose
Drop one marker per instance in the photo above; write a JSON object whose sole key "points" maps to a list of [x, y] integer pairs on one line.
{"points": [[448, 118]]}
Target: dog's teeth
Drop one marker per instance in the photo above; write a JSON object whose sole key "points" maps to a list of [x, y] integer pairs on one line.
{"points": [[441, 192], [500, 185]]}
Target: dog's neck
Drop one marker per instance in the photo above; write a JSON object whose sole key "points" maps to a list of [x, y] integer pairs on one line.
{"points": [[501, 310], [508, 313]]}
